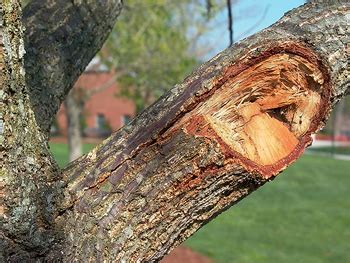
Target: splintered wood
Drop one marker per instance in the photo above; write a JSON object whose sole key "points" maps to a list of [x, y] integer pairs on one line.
{"points": [[264, 112]]}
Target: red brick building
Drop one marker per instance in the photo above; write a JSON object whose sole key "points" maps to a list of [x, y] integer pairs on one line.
{"points": [[104, 111]]}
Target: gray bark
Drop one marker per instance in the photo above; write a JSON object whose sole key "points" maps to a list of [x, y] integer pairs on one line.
{"points": [[29, 178], [159, 179], [61, 39]]}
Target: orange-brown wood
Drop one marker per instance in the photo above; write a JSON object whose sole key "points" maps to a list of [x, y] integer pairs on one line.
{"points": [[263, 113]]}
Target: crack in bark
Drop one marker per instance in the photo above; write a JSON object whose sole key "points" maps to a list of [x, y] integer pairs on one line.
{"points": [[154, 205]]}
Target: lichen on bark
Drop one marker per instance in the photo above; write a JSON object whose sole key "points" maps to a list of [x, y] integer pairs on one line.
{"points": [[156, 181], [28, 173]]}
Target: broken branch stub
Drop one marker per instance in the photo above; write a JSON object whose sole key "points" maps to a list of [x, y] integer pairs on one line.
{"points": [[263, 117], [209, 150], [230, 127]]}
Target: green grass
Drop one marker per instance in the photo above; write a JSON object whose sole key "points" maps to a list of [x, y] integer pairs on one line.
{"points": [[336, 150], [60, 151], [302, 216]]}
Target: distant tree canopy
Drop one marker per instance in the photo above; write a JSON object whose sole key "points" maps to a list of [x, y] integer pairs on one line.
{"points": [[150, 46], [231, 127]]}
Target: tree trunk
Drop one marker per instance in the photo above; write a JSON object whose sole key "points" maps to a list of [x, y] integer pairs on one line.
{"points": [[29, 178], [73, 111], [74, 107], [339, 118], [229, 128]]}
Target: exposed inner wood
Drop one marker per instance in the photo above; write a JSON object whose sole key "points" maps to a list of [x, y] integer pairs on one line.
{"points": [[265, 111]]}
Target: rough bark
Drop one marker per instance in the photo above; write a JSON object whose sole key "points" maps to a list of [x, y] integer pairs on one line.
{"points": [[28, 178], [61, 39], [202, 147], [186, 159]]}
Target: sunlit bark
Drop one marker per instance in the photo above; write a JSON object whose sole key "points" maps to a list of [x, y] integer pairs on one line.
{"points": [[230, 127]]}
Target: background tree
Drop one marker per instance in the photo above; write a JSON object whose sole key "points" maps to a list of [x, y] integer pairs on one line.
{"points": [[229, 128], [149, 50], [153, 45], [74, 111]]}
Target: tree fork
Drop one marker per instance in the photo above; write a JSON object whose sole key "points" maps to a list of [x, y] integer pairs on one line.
{"points": [[230, 127]]}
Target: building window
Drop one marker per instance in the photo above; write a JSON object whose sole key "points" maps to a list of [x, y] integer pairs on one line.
{"points": [[126, 119], [100, 121]]}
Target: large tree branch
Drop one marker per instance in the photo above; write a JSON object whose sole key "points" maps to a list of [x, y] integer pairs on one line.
{"points": [[230, 127], [227, 129], [62, 37]]}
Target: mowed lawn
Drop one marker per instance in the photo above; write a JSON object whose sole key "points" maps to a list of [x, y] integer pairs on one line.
{"points": [[330, 150], [302, 216], [60, 151]]}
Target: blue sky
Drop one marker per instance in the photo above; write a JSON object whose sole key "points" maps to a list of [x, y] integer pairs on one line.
{"points": [[250, 17]]}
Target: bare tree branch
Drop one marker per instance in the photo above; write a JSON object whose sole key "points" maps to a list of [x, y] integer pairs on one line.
{"points": [[249, 30], [209, 6], [27, 171], [102, 87], [230, 21]]}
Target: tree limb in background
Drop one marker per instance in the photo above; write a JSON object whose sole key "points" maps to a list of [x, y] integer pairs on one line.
{"points": [[227, 129], [74, 107], [209, 6], [249, 30], [230, 21]]}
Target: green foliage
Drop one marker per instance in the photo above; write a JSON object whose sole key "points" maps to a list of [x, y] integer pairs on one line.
{"points": [[150, 45], [60, 152]]}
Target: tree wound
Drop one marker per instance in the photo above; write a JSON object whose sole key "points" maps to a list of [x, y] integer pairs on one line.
{"points": [[263, 116]]}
